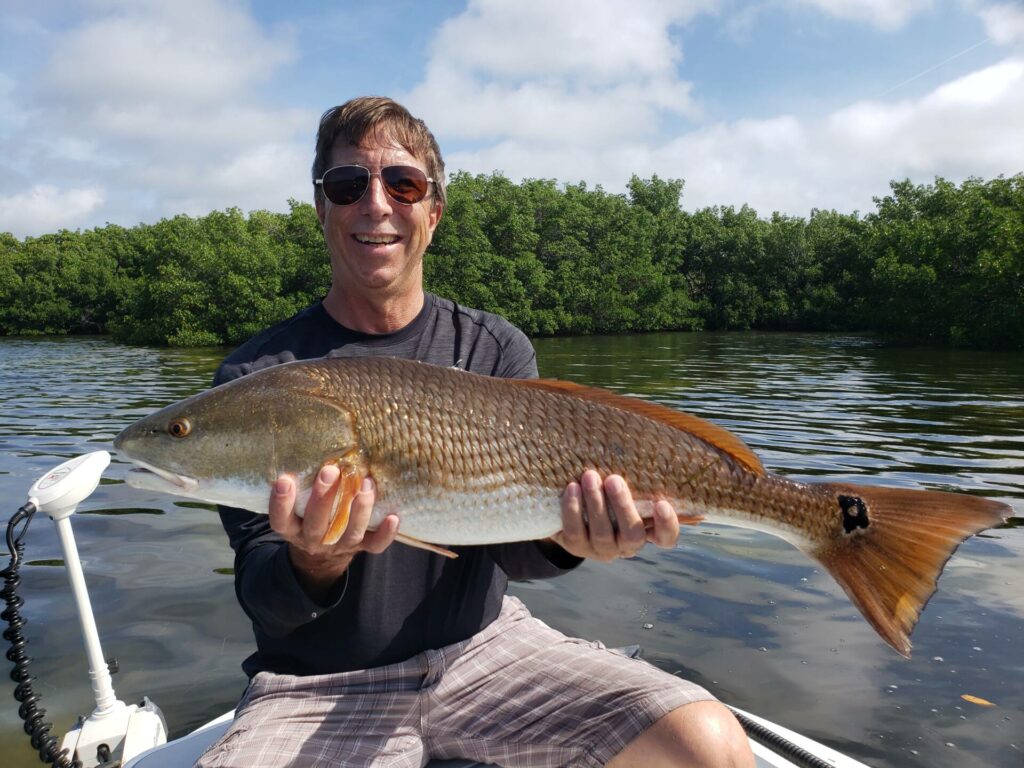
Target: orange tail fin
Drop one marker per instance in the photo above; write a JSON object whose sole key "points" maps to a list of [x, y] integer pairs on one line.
{"points": [[898, 542]]}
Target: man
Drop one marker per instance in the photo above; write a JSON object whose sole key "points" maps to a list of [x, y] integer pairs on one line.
{"points": [[370, 652]]}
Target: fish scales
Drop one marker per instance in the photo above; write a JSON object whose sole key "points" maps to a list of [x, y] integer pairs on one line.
{"points": [[468, 459], [426, 436], [424, 447]]}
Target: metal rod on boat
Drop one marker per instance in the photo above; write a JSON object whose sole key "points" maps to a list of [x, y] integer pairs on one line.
{"points": [[58, 494], [99, 673]]}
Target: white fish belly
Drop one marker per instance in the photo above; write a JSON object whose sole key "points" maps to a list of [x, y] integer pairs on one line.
{"points": [[508, 513]]}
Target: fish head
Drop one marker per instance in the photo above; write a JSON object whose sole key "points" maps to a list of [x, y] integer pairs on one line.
{"points": [[228, 444]]}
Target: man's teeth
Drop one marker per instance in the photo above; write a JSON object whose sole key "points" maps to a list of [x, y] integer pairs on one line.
{"points": [[377, 239]]}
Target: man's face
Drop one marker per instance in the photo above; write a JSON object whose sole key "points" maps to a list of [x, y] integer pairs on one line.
{"points": [[376, 244]]}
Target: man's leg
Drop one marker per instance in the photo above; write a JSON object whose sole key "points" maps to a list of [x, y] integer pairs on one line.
{"points": [[704, 733], [326, 721], [522, 694]]}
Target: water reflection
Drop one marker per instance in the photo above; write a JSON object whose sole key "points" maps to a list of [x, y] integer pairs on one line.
{"points": [[743, 614]]}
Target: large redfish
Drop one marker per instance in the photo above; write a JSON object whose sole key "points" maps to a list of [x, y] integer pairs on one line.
{"points": [[468, 459]]}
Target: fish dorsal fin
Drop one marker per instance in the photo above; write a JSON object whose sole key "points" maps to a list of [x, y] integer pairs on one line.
{"points": [[714, 435]]}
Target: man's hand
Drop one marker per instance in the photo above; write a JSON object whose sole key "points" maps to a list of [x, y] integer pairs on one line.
{"points": [[588, 509], [319, 565]]}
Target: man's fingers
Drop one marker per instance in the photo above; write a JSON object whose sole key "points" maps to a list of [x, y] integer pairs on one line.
{"points": [[282, 505], [600, 519], [317, 516], [359, 517], [602, 535], [573, 536], [631, 533], [666, 525], [377, 541]]}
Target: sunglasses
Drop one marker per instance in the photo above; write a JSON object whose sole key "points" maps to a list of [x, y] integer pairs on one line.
{"points": [[346, 184]]}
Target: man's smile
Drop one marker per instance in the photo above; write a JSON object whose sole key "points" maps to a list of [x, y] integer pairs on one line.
{"points": [[383, 239]]}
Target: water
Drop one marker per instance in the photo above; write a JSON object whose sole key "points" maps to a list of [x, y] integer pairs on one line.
{"points": [[742, 613]]}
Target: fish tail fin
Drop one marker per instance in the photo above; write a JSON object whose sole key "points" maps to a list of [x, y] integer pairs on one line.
{"points": [[893, 545]]}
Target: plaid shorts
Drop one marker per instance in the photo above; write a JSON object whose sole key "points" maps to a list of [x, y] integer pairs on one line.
{"points": [[517, 693]]}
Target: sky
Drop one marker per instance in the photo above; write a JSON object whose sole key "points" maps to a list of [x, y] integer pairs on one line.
{"points": [[129, 111]]}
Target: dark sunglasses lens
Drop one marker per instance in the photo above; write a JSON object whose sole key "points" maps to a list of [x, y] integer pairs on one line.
{"points": [[404, 183], [345, 184]]}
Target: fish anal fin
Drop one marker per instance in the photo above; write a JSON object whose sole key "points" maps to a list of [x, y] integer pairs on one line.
{"points": [[683, 520], [353, 470], [714, 435], [889, 557], [419, 544]]}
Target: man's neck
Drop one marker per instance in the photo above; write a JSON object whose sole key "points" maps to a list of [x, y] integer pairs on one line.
{"points": [[373, 314]]}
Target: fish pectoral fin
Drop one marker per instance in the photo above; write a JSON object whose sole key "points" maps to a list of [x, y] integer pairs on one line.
{"points": [[424, 545], [348, 486]]}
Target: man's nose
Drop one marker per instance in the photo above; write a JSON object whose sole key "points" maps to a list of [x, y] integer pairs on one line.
{"points": [[376, 197]]}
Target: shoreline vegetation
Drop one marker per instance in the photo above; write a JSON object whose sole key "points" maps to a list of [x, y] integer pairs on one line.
{"points": [[937, 264]]}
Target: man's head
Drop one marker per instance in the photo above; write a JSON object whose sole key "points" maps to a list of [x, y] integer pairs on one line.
{"points": [[377, 120], [378, 209]]}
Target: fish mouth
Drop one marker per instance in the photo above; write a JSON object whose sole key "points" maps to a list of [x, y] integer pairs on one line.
{"points": [[143, 475]]}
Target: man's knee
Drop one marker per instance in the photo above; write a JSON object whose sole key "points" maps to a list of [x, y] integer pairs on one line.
{"points": [[712, 736], [704, 733]]}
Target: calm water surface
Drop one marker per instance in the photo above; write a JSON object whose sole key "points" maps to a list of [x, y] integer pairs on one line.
{"points": [[742, 613]]}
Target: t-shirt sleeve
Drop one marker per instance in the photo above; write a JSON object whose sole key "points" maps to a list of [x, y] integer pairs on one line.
{"points": [[265, 582], [518, 357], [524, 560]]}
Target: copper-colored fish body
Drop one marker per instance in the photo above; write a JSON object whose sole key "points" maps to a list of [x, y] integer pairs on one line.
{"points": [[464, 459]]}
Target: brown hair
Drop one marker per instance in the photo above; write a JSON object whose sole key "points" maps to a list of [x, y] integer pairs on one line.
{"points": [[384, 119]]}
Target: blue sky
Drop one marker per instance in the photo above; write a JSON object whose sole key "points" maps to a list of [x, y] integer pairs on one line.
{"points": [[129, 111]]}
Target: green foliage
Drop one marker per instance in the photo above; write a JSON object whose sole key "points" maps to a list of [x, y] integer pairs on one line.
{"points": [[948, 262], [836, 279], [56, 284], [939, 263]]}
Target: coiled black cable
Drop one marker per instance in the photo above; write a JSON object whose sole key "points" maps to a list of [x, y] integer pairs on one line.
{"points": [[29, 710]]}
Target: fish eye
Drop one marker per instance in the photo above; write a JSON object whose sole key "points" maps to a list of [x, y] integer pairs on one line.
{"points": [[179, 428]]}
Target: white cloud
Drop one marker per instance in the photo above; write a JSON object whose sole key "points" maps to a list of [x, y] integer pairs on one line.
{"points": [[46, 208], [159, 103], [970, 126], [1004, 22], [593, 41], [460, 107], [190, 51], [261, 176], [979, 89], [542, 100], [580, 71], [883, 14]]}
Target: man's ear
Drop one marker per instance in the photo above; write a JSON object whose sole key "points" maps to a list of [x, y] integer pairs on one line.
{"points": [[321, 208], [436, 212]]}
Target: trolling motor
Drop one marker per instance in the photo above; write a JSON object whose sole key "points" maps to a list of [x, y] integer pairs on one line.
{"points": [[114, 731]]}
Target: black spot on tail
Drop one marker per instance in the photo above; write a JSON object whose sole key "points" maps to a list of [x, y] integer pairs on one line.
{"points": [[855, 513]]}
